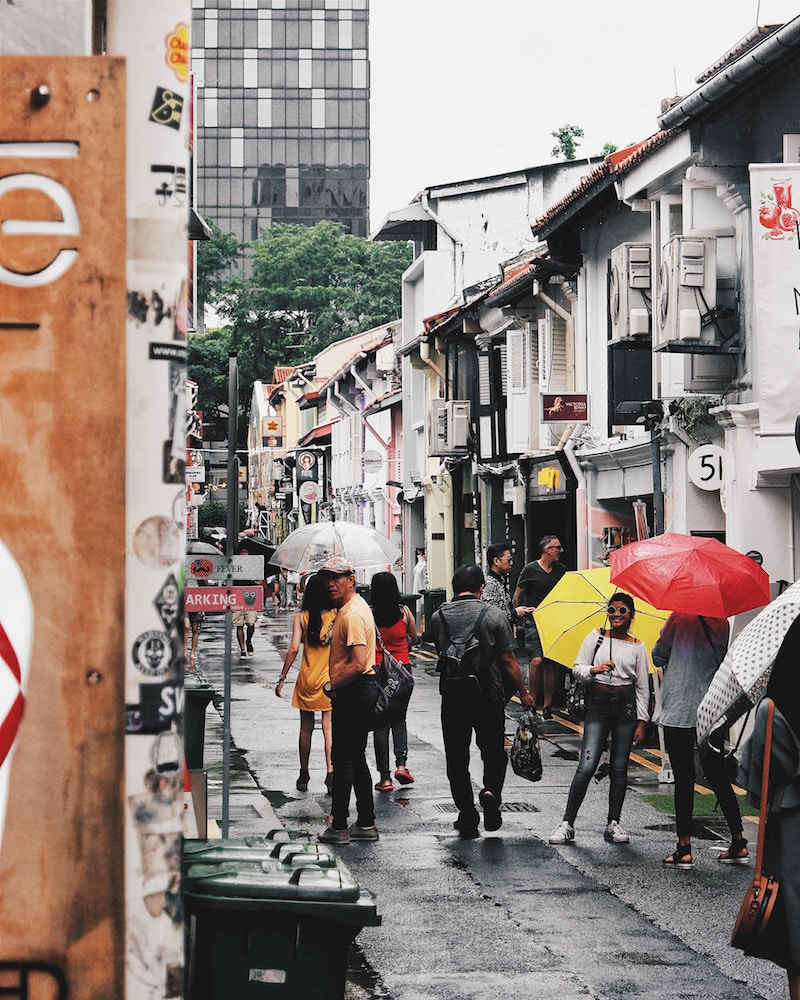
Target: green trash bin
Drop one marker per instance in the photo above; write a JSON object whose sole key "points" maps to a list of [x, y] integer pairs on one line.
{"points": [[197, 694], [276, 917]]}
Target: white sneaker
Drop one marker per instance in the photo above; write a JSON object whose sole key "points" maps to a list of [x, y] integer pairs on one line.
{"points": [[614, 833], [564, 833]]}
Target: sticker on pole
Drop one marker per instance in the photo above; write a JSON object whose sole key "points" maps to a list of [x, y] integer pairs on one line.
{"points": [[16, 639]]}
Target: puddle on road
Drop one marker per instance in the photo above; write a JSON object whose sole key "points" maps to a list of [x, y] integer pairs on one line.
{"points": [[277, 799], [363, 982], [566, 754]]}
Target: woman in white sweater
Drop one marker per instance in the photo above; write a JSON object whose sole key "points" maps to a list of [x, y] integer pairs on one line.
{"points": [[612, 664]]}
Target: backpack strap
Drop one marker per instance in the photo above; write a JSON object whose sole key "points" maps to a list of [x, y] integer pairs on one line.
{"points": [[471, 632]]}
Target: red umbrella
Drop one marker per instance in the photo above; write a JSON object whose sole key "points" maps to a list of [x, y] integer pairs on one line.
{"points": [[696, 576]]}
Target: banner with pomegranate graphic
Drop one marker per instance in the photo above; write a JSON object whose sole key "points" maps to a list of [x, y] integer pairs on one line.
{"points": [[776, 292]]}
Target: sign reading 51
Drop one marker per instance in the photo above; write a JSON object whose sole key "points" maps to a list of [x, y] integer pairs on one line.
{"points": [[708, 467]]}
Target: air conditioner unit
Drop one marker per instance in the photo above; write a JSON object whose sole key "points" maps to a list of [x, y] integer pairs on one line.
{"points": [[687, 293], [629, 291], [449, 426]]}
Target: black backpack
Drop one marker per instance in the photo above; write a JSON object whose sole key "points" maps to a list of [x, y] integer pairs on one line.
{"points": [[461, 662]]}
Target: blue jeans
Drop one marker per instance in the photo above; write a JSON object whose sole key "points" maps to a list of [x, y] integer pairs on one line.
{"points": [[351, 711], [613, 714], [399, 733]]}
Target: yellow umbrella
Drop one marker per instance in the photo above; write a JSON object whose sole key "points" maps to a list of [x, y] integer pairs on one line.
{"points": [[577, 604]]}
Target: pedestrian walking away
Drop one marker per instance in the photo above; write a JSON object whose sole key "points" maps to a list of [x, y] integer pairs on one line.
{"points": [[534, 583], [245, 621], [781, 941], [476, 703], [398, 633], [312, 627], [612, 664], [688, 652], [353, 692]]}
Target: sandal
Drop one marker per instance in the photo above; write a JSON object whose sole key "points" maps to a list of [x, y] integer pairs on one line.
{"points": [[681, 857], [384, 786], [736, 854], [403, 775]]}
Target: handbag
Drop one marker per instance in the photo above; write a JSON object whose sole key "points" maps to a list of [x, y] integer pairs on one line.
{"points": [[526, 755], [395, 684], [759, 901], [576, 696]]}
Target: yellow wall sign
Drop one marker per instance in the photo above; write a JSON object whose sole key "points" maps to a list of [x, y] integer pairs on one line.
{"points": [[549, 477]]}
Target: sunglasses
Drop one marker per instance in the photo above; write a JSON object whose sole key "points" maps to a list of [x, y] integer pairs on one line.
{"points": [[621, 611]]}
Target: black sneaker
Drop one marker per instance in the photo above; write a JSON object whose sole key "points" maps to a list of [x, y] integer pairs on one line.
{"points": [[547, 713], [492, 820]]}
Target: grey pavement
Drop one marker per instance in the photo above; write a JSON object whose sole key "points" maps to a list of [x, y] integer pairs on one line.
{"points": [[507, 914]]}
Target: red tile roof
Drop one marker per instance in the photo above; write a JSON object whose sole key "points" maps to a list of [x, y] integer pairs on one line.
{"points": [[613, 166]]}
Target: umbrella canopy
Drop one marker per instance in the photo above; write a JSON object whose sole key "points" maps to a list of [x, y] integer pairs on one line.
{"points": [[201, 549], [742, 676], [307, 548], [577, 604], [697, 576]]}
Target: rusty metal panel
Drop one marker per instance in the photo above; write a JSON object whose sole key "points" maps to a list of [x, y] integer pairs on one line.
{"points": [[62, 515]]}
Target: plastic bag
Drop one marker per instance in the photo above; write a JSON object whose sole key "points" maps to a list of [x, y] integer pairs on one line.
{"points": [[526, 756]]}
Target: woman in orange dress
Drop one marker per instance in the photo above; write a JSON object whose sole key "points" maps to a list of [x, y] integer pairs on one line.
{"points": [[311, 628]]}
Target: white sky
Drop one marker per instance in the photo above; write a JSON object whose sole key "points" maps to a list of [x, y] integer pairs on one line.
{"points": [[470, 88]]}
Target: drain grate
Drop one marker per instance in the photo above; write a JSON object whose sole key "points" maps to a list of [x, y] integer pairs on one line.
{"points": [[508, 807]]}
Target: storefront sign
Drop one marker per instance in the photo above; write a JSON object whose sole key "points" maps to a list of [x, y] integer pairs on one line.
{"points": [[236, 567], [565, 407]]}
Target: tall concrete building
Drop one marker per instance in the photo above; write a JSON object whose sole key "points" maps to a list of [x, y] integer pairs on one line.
{"points": [[282, 112]]}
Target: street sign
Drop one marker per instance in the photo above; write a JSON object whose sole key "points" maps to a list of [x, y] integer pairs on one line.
{"points": [[219, 599], [206, 567]]}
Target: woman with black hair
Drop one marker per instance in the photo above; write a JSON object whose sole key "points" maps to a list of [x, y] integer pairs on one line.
{"points": [[398, 633], [612, 663], [781, 941], [312, 627]]}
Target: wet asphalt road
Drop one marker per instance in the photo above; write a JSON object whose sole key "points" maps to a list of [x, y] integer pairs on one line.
{"points": [[506, 915]]}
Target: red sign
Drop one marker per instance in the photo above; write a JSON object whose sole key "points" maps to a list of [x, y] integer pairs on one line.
{"points": [[572, 407], [220, 599]]}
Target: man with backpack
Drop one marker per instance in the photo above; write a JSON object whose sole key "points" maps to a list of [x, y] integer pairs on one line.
{"points": [[476, 648]]}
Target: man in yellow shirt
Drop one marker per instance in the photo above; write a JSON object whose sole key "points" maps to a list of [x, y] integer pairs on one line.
{"points": [[353, 691]]}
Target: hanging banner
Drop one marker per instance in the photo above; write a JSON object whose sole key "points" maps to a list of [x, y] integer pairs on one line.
{"points": [[776, 292]]}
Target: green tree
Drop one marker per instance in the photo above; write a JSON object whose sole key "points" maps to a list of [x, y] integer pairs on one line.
{"points": [[207, 365], [566, 145], [609, 148], [310, 286], [215, 257]]}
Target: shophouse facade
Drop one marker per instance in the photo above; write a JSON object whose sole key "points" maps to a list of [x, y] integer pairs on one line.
{"points": [[685, 317]]}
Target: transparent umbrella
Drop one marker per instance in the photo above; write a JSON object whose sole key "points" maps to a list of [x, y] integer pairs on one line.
{"points": [[307, 548]]}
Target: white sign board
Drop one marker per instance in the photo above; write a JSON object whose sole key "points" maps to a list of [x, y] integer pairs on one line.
{"points": [[708, 467], [204, 567]]}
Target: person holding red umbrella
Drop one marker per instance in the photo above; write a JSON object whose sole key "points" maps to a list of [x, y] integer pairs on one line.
{"points": [[688, 652]]}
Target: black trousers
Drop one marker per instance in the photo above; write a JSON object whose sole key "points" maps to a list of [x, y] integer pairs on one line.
{"points": [[466, 710]]}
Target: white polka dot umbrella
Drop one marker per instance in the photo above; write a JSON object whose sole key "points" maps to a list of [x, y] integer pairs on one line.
{"points": [[742, 676]]}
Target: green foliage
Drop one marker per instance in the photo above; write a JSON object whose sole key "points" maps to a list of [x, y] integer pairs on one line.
{"points": [[214, 260], [609, 148], [566, 145], [214, 514], [692, 416], [207, 364], [310, 286]]}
